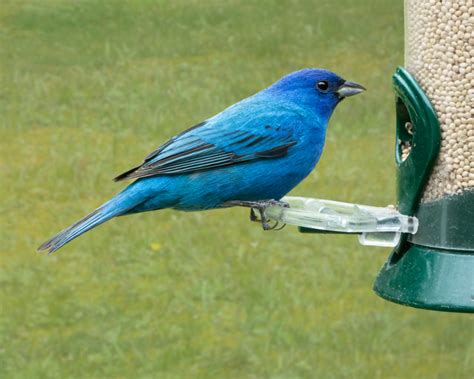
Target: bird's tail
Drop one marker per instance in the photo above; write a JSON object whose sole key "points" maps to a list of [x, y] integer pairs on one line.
{"points": [[117, 206]]}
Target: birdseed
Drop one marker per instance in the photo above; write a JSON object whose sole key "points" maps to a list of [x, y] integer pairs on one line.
{"points": [[439, 53]]}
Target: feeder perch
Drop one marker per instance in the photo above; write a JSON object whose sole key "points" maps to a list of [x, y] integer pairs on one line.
{"points": [[375, 226]]}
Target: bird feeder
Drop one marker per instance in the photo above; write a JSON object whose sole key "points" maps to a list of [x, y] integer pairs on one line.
{"points": [[434, 268], [432, 227]]}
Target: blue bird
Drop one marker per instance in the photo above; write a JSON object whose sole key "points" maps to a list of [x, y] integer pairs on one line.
{"points": [[251, 154]]}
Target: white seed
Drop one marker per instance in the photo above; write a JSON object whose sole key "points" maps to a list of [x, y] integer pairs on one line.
{"points": [[439, 54]]}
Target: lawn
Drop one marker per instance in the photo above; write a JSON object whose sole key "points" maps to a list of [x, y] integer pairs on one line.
{"points": [[87, 89]]}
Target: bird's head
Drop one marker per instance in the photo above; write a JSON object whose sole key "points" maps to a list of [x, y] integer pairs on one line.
{"points": [[314, 87]]}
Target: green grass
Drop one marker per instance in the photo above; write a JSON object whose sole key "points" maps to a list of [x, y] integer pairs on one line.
{"points": [[87, 89]]}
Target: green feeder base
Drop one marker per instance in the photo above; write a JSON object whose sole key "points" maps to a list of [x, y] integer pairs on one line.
{"points": [[429, 278]]}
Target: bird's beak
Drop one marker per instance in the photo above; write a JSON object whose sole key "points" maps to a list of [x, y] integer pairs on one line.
{"points": [[349, 89]]}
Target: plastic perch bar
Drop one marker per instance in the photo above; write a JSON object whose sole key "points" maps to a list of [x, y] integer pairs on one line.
{"points": [[375, 226]]}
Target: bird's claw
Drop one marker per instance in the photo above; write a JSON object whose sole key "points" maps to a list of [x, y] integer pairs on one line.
{"points": [[261, 206], [253, 216], [275, 227], [265, 221]]}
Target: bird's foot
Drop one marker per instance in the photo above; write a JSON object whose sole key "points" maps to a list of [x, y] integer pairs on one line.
{"points": [[261, 207]]}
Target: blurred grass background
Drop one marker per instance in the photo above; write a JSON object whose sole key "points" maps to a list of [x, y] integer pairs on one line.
{"points": [[88, 88]]}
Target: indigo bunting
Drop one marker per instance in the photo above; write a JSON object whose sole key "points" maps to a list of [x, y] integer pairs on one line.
{"points": [[251, 154]]}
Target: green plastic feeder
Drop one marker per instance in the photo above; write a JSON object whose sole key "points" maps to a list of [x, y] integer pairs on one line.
{"points": [[434, 268]]}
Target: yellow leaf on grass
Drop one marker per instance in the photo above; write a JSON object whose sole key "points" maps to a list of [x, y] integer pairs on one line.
{"points": [[155, 246]]}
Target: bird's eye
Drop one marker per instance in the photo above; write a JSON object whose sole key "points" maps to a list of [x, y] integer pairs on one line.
{"points": [[323, 85]]}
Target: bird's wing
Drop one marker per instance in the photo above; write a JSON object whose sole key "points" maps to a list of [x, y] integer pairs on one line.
{"points": [[214, 144]]}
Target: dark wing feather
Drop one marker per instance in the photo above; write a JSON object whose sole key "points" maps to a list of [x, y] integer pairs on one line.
{"points": [[188, 152], [155, 153]]}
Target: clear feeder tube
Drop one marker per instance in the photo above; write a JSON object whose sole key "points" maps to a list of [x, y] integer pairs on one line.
{"points": [[439, 53]]}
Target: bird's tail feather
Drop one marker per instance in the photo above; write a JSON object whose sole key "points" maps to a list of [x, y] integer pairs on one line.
{"points": [[115, 207]]}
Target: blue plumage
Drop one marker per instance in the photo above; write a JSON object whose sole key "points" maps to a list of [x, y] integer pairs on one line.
{"points": [[257, 149]]}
